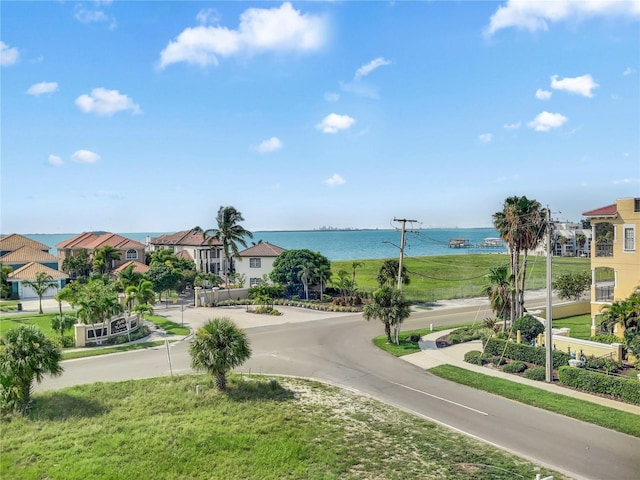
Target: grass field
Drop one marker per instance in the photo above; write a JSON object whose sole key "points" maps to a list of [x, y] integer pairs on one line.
{"points": [[168, 326], [161, 429], [456, 276], [606, 417], [43, 322], [580, 325]]}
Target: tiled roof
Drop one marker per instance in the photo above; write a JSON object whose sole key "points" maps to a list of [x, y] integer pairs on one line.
{"points": [[29, 271], [263, 249], [608, 211], [14, 241], [27, 254], [184, 254], [138, 267], [190, 238], [95, 240]]}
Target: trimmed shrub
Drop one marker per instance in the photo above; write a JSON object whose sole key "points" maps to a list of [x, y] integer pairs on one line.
{"points": [[465, 334], [605, 338], [514, 367], [529, 327], [525, 353], [497, 360], [275, 312], [607, 365], [414, 337], [625, 389], [536, 373], [475, 357]]}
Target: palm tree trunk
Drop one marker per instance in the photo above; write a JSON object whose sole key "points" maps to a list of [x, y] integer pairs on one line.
{"points": [[221, 381], [387, 331], [525, 257], [40, 299]]}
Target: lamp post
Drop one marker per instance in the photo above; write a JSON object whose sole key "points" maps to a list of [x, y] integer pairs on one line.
{"points": [[182, 314]]}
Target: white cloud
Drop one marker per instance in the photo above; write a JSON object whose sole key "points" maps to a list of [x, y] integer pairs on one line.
{"points": [[54, 160], [85, 156], [106, 102], [270, 145], [545, 121], [485, 137], [333, 123], [534, 15], [578, 85], [208, 16], [94, 15], [512, 126], [543, 94], [334, 180], [282, 29], [42, 87], [8, 55], [331, 96], [365, 70], [628, 71], [625, 181]]}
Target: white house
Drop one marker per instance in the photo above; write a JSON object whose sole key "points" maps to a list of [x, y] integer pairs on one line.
{"points": [[208, 256], [256, 261]]}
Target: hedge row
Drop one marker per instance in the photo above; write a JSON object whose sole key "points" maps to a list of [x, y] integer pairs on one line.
{"points": [[525, 353], [625, 389]]}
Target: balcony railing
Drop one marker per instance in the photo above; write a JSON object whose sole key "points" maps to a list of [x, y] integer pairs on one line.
{"points": [[604, 250], [604, 293]]}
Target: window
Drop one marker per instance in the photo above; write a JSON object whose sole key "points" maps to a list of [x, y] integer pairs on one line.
{"points": [[254, 282], [629, 234], [254, 263], [636, 205], [131, 254]]}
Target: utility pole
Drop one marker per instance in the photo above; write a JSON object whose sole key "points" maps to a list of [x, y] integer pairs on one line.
{"points": [[402, 243], [549, 320]]}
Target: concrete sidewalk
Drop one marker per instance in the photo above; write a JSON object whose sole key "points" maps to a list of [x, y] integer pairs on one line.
{"points": [[454, 355]]}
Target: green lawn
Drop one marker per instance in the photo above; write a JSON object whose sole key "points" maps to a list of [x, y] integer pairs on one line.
{"points": [[8, 305], [456, 276], [168, 326], [606, 417], [580, 325], [160, 428], [43, 322], [406, 347]]}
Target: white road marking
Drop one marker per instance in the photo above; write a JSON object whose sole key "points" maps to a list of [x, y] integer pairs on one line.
{"points": [[440, 398]]}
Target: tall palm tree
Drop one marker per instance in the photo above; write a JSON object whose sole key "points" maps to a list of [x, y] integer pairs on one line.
{"points": [[323, 273], [26, 354], [354, 265], [230, 233], [499, 289], [218, 347], [390, 307], [305, 274], [104, 257], [143, 293], [40, 285], [388, 274]]}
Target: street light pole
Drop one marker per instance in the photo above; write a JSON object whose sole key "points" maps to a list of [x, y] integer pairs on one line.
{"points": [[549, 320], [182, 314]]}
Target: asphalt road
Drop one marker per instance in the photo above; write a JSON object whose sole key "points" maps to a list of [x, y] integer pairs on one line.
{"points": [[338, 350]]}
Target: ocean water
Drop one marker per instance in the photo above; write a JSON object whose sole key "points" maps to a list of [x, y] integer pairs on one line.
{"points": [[346, 244]]}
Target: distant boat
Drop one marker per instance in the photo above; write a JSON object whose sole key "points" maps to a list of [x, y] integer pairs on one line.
{"points": [[491, 242], [459, 243]]}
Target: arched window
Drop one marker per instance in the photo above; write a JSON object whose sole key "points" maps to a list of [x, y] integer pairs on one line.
{"points": [[132, 254]]}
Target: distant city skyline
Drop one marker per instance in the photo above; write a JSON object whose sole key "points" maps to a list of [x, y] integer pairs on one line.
{"points": [[148, 116]]}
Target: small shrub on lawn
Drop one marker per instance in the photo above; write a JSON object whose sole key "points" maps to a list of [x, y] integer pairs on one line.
{"points": [[607, 365], [475, 357], [625, 389], [465, 334], [414, 337], [497, 360], [536, 373], [529, 327], [514, 367], [605, 338]]}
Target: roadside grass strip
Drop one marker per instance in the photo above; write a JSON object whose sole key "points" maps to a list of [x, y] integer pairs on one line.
{"points": [[611, 418], [43, 322], [94, 352], [161, 428], [168, 326], [407, 347]]}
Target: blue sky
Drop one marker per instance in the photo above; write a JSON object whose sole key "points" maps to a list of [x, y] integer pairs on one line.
{"points": [[147, 116]]}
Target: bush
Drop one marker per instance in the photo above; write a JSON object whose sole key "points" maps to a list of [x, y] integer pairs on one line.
{"points": [[275, 312], [625, 389], [525, 353], [141, 332], [605, 338], [497, 360], [529, 327], [608, 365], [536, 373], [465, 334], [475, 357], [514, 367], [414, 337]]}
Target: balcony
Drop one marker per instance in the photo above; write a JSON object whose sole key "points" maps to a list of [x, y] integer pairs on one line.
{"points": [[604, 250], [604, 292]]}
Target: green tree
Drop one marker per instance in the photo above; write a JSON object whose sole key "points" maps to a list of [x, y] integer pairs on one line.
{"points": [[104, 258], [218, 347], [5, 288], [98, 302], [388, 274], [77, 265], [342, 283], [354, 266], [521, 224], [286, 268], [61, 323], [529, 327], [230, 233], [26, 354], [499, 289], [40, 285], [581, 240], [305, 274], [390, 307], [571, 286], [143, 293], [163, 277], [128, 277]]}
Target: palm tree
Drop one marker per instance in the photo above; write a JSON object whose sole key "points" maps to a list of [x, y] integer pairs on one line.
{"points": [[323, 273], [104, 257], [26, 354], [388, 274], [499, 290], [305, 275], [61, 323], [230, 233], [98, 303], [218, 347], [143, 293], [390, 307], [581, 239], [67, 294], [354, 265], [40, 285]]}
